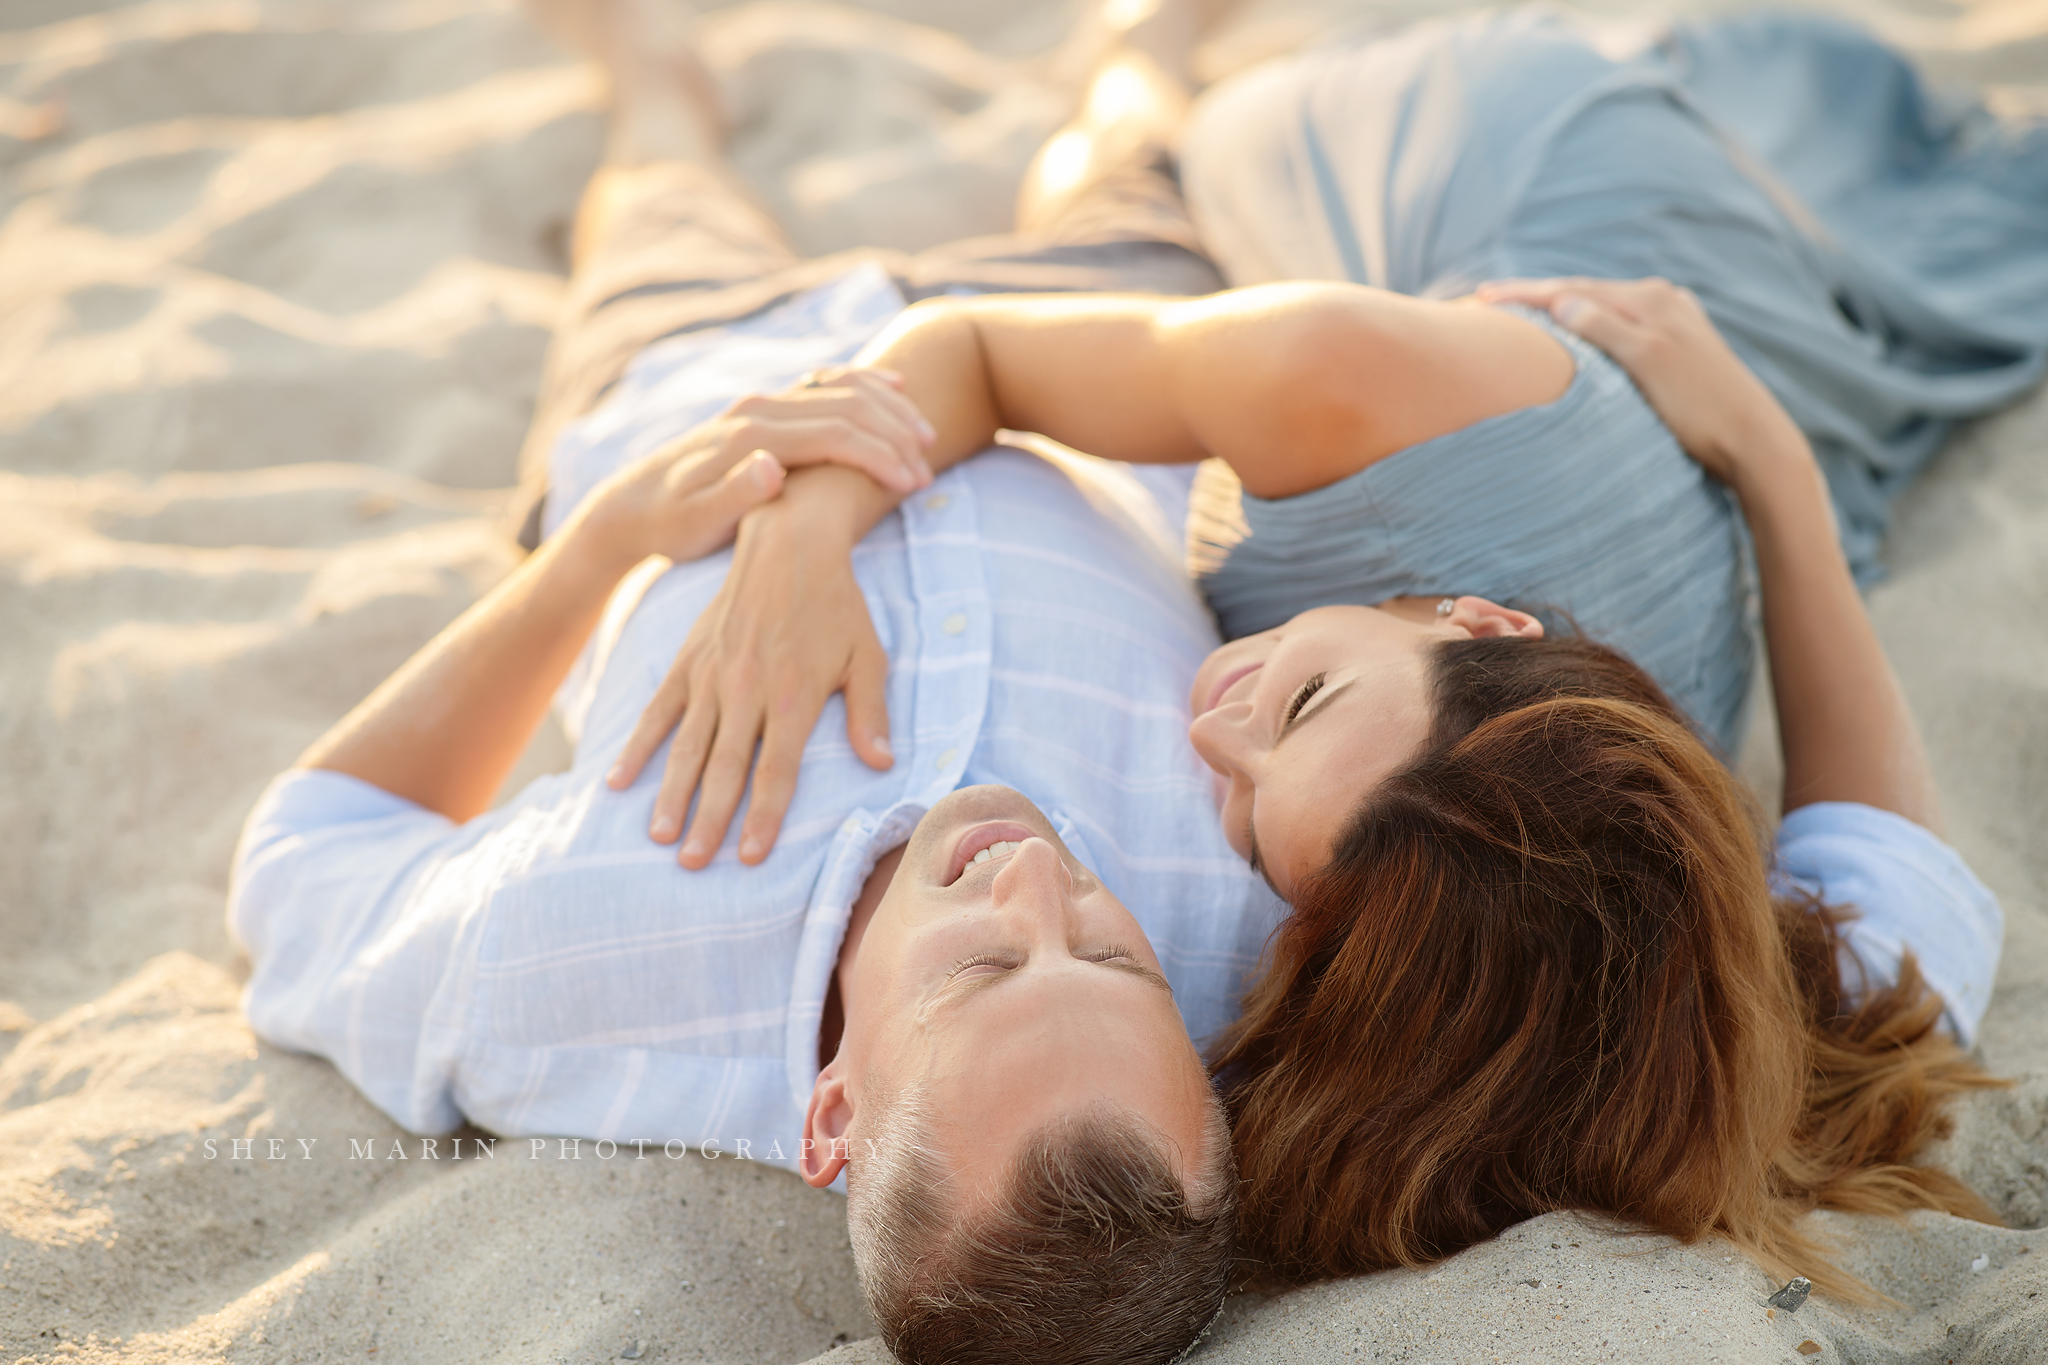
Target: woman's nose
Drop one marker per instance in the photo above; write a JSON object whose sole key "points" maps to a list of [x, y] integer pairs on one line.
{"points": [[1220, 743]]}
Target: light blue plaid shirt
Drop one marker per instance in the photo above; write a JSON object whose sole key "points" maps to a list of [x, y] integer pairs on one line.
{"points": [[546, 969]]}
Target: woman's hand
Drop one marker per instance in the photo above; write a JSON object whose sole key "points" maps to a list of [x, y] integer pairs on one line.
{"points": [[1717, 408], [788, 628], [1843, 721], [685, 499]]}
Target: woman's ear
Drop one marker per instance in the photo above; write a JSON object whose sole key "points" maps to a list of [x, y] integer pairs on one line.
{"points": [[821, 1156], [1488, 620]]}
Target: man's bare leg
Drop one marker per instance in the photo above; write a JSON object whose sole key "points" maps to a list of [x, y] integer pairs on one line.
{"points": [[665, 205], [665, 106], [1136, 97]]}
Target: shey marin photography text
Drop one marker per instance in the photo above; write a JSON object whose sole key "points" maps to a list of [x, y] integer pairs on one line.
{"points": [[485, 1148]]}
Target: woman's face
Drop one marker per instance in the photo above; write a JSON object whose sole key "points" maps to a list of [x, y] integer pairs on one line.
{"points": [[1301, 721]]}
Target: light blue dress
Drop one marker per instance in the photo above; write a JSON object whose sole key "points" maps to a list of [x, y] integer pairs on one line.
{"points": [[1878, 256], [1640, 549]]}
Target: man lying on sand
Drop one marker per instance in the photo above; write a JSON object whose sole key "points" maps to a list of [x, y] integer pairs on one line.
{"points": [[990, 1039]]}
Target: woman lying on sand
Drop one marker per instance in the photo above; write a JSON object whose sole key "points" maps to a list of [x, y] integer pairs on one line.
{"points": [[1538, 958]]}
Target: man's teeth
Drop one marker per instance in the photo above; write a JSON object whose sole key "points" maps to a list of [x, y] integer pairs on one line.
{"points": [[995, 850]]}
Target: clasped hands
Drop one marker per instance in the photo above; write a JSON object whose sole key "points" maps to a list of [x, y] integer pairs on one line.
{"points": [[789, 627]]}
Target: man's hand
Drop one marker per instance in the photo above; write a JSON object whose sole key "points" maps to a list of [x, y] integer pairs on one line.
{"points": [[789, 627], [679, 502], [685, 499], [1657, 331], [787, 630], [854, 416]]}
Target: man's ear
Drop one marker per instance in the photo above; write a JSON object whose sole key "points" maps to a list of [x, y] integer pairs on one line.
{"points": [[821, 1156], [1488, 620]]}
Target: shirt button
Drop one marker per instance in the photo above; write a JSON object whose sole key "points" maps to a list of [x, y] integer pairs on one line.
{"points": [[946, 759], [955, 623], [936, 502]]}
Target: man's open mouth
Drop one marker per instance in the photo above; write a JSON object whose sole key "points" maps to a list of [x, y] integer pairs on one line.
{"points": [[987, 842]]}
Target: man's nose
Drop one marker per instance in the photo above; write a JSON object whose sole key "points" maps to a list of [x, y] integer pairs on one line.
{"points": [[1034, 884]]}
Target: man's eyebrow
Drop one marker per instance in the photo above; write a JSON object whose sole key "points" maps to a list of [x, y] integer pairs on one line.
{"points": [[1139, 970], [953, 992], [1317, 705]]}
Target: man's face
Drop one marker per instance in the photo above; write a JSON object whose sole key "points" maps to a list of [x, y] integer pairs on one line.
{"points": [[1007, 991]]}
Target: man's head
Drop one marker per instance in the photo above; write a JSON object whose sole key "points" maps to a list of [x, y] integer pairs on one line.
{"points": [[1039, 1166]]}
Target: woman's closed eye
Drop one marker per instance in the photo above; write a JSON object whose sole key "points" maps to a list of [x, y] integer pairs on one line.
{"points": [[1301, 698]]}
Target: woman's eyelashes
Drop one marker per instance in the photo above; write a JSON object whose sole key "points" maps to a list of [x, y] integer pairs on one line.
{"points": [[1301, 698]]}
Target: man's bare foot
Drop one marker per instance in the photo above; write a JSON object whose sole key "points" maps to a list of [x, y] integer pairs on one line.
{"points": [[1165, 31], [1135, 97], [665, 101]]}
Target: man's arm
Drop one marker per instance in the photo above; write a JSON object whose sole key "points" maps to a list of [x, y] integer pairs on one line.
{"points": [[444, 729]]}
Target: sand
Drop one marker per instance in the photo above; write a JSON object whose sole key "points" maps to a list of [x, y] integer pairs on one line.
{"points": [[275, 281]]}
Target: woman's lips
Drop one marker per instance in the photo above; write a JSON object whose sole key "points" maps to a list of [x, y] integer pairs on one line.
{"points": [[978, 837], [1225, 683]]}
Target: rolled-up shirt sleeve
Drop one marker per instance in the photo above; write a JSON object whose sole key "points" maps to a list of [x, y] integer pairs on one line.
{"points": [[1909, 891], [320, 897]]}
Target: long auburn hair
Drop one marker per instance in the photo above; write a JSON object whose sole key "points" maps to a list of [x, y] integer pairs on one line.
{"points": [[1545, 970]]}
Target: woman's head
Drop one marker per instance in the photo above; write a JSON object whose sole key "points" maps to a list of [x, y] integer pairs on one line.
{"points": [[1540, 969], [1298, 721]]}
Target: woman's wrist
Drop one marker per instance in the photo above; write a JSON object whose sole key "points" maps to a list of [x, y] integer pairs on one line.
{"points": [[1767, 456], [1788, 510], [829, 506]]}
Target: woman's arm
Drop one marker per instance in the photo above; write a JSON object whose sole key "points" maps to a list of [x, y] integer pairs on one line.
{"points": [[1842, 718], [1294, 385], [1843, 721]]}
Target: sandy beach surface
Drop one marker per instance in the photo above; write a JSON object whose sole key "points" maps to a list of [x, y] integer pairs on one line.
{"points": [[275, 281]]}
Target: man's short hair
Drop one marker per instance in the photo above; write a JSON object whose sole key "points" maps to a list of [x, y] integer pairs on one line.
{"points": [[1093, 1251]]}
